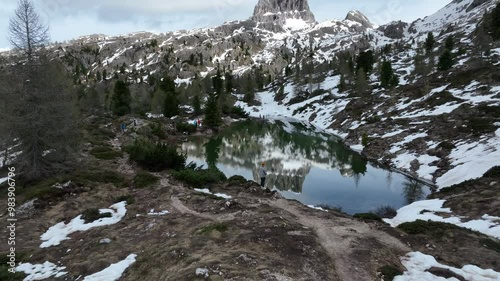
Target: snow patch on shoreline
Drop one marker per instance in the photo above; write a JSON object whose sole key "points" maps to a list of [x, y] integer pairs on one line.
{"points": [[427, 209]]}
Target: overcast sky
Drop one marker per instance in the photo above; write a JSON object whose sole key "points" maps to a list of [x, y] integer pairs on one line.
{"points": [[72, 18]]}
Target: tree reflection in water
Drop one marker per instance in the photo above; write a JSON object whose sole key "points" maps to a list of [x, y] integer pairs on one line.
{"points": [[306, 164], [290, 150], [212, 150], [412, 190]]}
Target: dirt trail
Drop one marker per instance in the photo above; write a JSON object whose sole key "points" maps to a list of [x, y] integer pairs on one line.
{"points": [[183, 209], [350, 243]]}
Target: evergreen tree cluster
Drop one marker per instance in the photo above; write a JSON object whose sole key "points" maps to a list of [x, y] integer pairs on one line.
{"points": [[429, 43], [365, 61], [121, 99], [212, 109], [446, 59], [387, 77]]}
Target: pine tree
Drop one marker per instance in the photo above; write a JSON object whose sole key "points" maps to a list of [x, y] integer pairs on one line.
{"points": [[37, 110], [386, 74], [77, 70], [365, 60], [248, 89], [280, 95], [123, 68], [120, 102], [218, 83], [171, 102], [259, 78], [346, 71], [449, 43], [192, 60], [387, 77], [157, 101], [167, 84], [495, 25], [419, 63], [445, 60], [104, 75], [171, 105], [229, 82], [361, 82], [429, 43], [342, 85], [196, 105], [27, 32], [212, 111]]}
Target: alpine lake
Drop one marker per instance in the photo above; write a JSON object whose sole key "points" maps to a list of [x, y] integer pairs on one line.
{"points": [[305, 164]]}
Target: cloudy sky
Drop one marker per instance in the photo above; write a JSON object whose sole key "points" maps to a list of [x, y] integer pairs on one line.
{"points": [[72, 18]]}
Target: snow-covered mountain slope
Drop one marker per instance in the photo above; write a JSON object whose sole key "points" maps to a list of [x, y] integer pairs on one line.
{"points": [[460, 15], [421, 106]]}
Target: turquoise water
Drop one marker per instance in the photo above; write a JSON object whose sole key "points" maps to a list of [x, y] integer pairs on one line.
{"points": [[305, 164]]}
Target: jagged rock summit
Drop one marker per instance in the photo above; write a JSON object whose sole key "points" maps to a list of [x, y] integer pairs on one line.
{"points": [[357, 16], [283, 12]]}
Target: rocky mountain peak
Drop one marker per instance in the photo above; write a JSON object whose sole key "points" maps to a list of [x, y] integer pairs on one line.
{"points": [[278, 11], [358, 17]]}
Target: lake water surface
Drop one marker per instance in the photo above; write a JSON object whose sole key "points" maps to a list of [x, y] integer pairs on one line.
{"points": [[304, 164]]}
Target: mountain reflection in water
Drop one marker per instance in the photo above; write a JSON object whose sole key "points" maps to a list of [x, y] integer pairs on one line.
{"points": [[304, 164]]}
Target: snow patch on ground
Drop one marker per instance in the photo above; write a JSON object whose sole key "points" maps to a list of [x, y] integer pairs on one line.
{"points": [[417, 265], [59, 232], [488, 225], [2, 180], [154, 116], [112, 272], [399, 146], [392, 134], [296, 24], [40, 271], [202, 272], [471, 160], [206, 191], [442, 109], [317, 208], [160, 213], [426, 171], [357, 148]]}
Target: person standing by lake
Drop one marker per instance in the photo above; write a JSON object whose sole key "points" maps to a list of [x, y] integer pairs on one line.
{"points": [[262, 174]]}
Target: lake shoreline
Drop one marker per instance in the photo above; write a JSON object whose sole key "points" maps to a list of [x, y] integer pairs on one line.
{"points": [[248, 233]]}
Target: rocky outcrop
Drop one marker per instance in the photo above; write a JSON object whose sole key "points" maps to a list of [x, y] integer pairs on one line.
{"points": [[394, 30], [278, 11], [475, 4], [357, 16]]}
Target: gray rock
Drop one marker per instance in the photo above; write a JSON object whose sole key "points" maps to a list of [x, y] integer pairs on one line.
{"points": [[358, 17], [394, 30], [277, 11], [476, 4]]}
